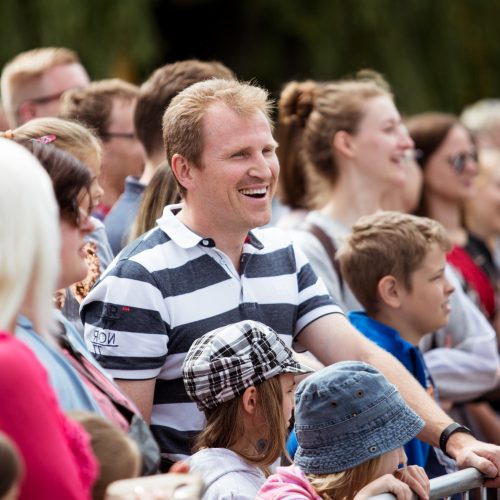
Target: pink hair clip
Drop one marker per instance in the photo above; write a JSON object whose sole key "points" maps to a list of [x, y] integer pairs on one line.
{"points": [[46, 139]]}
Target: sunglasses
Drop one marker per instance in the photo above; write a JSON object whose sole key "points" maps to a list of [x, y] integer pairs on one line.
{"points": [[459, 160]]}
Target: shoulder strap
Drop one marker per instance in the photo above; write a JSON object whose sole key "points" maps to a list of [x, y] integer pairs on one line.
{"points": [[92, 374], [328, 244]]}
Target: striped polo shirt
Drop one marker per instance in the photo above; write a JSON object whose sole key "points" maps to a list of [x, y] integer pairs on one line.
{"points": [[170, 287]]}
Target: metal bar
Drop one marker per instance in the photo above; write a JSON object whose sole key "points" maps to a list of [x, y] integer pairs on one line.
{"points": [[447, 485]]}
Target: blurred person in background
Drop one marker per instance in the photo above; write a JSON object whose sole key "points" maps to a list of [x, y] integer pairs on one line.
{"points": [[107, 108], [483, 120], [448, 158], [482, 219], [154, 97], [349, 134], [33, 82]]}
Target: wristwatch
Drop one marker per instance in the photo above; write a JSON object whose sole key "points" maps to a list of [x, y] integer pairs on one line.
{"points": [[448, 431]]}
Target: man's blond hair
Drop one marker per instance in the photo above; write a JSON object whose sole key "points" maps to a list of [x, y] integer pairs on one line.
{"points": [[20, 73], [383, 244]]}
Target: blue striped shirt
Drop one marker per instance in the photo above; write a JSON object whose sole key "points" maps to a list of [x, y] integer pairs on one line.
{"points": [[170, 287]]}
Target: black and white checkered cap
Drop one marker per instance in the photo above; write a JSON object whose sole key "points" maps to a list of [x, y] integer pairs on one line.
{"points": [[223, 363]]}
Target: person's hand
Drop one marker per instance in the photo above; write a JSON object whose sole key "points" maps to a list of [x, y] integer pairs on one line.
{"points": [[416, 478], [469, 452], [180, 467], [388, 483]]}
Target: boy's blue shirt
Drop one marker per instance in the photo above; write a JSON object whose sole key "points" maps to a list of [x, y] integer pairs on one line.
{"points": [[410, 356]]}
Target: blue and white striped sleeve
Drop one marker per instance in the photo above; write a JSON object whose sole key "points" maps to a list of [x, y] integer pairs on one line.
{"points": [[126, 322], [314, 299]]}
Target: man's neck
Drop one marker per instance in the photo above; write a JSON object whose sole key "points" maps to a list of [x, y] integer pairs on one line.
{"points": [[406, 330], [151, 166], [231, 243]]}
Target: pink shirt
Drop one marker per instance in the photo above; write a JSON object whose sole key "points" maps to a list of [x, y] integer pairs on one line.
{"points": [[56, 451], [289, 483]]}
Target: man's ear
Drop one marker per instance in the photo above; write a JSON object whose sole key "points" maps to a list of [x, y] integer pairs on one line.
{"points": [[249, 400], [26, 112], [182, 168], [389, 291], [342, 143]]}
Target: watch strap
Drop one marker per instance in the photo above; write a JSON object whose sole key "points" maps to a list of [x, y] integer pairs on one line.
{"points": [[448, 431]]}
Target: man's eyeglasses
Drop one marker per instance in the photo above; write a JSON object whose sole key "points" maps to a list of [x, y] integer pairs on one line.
{"points": [[459, 160]]}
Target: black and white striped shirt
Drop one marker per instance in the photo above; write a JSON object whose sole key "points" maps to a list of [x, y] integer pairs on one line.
{"points": [[170, 287]]}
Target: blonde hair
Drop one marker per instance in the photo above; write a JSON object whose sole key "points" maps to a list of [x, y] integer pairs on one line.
{"points": [[117, 454], [70, 136], [489, 163], [29, 237], [482, 116], [346, 484], [224, 426], [22, 70], [182, 121], [386, 243], [309, 116]]}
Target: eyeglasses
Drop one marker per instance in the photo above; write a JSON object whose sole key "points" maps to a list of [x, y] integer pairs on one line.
{"points": [[51, 97], [48, 98], [459, 160], [123, 135]]}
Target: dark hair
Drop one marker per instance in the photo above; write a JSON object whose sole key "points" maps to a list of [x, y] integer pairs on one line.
{"points": [[92, 106], [428, 131], [161, 87], [69, 177]]}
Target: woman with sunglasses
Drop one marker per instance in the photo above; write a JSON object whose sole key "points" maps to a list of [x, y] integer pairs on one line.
{"points": [[448, 158]]}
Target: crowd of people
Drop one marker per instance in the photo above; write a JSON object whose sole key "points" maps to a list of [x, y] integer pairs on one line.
{"points": [[174, 303]]}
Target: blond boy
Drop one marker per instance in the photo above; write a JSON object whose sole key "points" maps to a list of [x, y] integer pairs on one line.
{"points": [[394, 264]]}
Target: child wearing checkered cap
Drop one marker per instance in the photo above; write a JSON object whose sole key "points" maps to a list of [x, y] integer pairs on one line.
{"points": [[242, 377]]}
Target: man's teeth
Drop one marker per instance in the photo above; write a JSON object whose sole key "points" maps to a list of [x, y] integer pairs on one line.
{"points": [[253, 191]]}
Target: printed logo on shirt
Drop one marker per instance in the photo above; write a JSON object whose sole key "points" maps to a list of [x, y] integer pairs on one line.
{"points": [[102, 338]]}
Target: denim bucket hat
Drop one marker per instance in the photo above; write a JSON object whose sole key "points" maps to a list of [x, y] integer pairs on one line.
{"points": [[223, 363], [349, 413]]}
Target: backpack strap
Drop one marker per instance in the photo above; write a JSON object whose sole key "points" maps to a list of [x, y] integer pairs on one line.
{"points": [[328, 244]]}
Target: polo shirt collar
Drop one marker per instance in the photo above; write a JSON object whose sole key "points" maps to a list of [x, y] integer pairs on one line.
{"points": [[185, 238]]}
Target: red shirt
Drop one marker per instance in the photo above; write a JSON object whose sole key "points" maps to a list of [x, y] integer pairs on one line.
{"points": [[56, 451]]}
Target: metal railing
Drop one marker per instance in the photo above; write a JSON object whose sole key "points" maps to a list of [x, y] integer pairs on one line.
{"points": [[450, 484]]}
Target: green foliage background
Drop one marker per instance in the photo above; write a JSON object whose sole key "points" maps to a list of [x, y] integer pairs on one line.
{"points": [[439, 54]]}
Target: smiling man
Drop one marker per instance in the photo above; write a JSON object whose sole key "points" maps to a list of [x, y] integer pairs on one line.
{"points": [[206, 266]]}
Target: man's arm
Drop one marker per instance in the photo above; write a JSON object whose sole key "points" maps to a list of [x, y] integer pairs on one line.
{"points": [[141, 392], [332, 338]]}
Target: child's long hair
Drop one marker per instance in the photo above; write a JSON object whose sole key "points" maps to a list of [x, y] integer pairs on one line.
{"points": [[224, 426], [346, 484]]}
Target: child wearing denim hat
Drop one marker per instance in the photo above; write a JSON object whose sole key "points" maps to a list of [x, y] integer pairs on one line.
{"points": [[242, 376], [395, 265], [351, 424]]}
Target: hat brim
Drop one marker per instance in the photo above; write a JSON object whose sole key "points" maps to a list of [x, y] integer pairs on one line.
{"points": [[380, 435]]}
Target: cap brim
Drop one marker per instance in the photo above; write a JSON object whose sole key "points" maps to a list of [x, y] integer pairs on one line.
{"points": [[343, 454]]}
